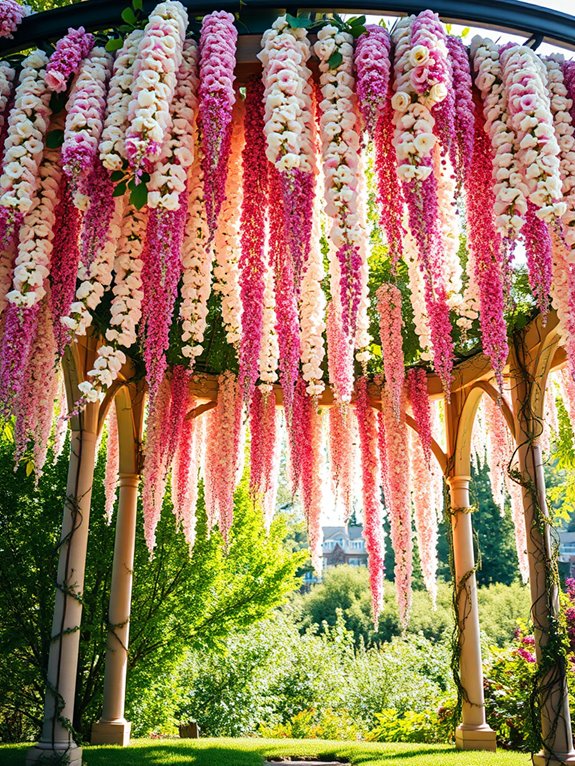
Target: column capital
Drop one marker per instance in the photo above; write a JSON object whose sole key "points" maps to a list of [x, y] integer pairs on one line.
{"points": [[128, 479]]}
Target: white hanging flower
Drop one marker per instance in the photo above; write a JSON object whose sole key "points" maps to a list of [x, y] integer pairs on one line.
{"points": [[96, 278], [27, 126], [159, 58], [170, 173], [197, 258], [509, 188], [34, 252], [7, 75], [112, 149]]}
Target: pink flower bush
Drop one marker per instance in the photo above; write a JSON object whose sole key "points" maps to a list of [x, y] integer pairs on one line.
{"points": [[218, 41], [67, 58], [420, 407], [252, 260], [391, 324], [372, 511], [11, 15], [399, 501]]}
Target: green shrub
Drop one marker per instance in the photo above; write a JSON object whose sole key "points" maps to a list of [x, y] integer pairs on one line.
{"points": [[324, 723], [430, 726]]}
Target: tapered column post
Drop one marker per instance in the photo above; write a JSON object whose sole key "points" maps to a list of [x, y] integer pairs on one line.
{"points": [[473, 733], [112, 728], [56, 739]]}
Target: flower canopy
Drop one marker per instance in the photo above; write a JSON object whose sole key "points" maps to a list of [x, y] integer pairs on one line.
{"points": [[370, 199]]}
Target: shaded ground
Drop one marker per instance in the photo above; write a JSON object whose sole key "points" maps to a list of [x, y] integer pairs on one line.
{"points": [[252, 752]]}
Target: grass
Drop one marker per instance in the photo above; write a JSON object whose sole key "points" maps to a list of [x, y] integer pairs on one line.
{"points": [[251, 752]]}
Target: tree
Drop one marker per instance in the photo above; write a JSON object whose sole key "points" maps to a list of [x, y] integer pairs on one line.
{"points": [[179, 601]]}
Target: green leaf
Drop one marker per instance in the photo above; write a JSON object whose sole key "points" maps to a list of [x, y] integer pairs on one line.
{"points": [[29, 467], [137, 4], [54, 139], [117, 175], [465, 31], [139, 196], [298, 22], [357, 32], [129, 16], [120, 189], [335, 60], [114, 44], [357, 21]]}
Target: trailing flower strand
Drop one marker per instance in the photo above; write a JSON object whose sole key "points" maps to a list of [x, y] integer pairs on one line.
{"points": [[67, 58], [11, 16], [390, 325]]}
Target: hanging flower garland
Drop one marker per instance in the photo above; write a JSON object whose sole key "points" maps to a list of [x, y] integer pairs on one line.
{"points": [[228, 240], [463, 146], [312, 313], [27, 126], [424, 512], [311, 430], [270, 496], [155, 470], [34, 408], [111, 474], [126, 306], [486, 248], [362, 339], [391, 324], [372, 511], [7, 75], [263, 443], [269, 349], [67, 58], [197, 258], [421, 408], [288, 330], [185, 475], [252, 259], [11, 16], [112, 146], [289, 131], [224, 447], [339, 357], [85, 121], [499, 451], [417, 296], [399, 501], [342, 448], [218, 40], [158, 60], [509, 188], [518, 516], [340, 150]]}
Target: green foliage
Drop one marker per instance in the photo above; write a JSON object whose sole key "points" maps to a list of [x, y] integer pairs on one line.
{"points": [[428, 726], [178, 601], [322, 723]]}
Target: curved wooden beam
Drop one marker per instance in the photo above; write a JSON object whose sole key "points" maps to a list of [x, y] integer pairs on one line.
{"points": [[435, 448]]}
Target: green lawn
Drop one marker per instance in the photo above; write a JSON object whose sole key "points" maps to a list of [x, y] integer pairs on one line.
{"points": [[251, 752]]}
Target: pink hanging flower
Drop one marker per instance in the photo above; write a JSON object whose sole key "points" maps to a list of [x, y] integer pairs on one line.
{"points": [[185, 476], [67, 58], [373, 69], [223, 458], [20, 328], [340, 357], [372, 511], [311, 429], [462, 148], [160, 276], [569, 75], [11, 16], [263, 441], [390, 193], [421, 408], [486, 248], [288, 330], [342, 450], [64, 265], [253, 232], [391, 324], [425, 512], [34, 407], [499, 451], [399, 501], [112, 464], [539, 257], [518, 515], [156, 467], [218, 39]]}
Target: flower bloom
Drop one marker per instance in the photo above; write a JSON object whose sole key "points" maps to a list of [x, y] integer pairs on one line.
{"points": [[67, 58], [11, 15]]}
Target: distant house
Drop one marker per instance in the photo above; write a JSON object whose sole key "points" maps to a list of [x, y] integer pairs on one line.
{"points": [[567, 552], [344, 545]]}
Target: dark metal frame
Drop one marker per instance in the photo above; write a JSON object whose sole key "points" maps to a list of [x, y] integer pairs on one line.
{"points": [[536, 22]]}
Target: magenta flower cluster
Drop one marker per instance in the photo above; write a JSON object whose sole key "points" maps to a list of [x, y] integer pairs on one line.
{"points": [[11, 15], [373, 69], [66, 59]]}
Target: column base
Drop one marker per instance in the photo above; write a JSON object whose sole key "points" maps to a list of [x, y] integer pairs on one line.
{"points": [[55, 753], [557, 759], [111, 733], [481, 737]]}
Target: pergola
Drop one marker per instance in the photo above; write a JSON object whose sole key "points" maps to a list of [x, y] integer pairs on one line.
{"points": [[536, 351]]}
